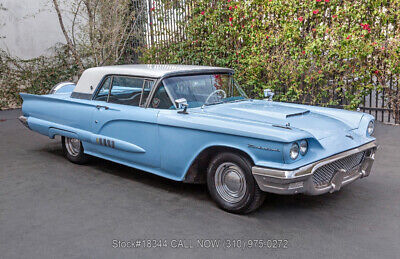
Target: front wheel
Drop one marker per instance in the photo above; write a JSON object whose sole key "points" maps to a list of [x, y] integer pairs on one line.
{"points": [[73, 150], [232, 185]]}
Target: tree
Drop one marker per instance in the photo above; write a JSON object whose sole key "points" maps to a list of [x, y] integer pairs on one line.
{"points": [[101, 30]]}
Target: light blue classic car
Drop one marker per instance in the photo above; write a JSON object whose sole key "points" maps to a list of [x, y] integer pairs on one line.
{"points": [[195, 124]]}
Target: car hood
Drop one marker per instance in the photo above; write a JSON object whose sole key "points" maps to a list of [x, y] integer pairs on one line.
{"points": [[321, 123]]}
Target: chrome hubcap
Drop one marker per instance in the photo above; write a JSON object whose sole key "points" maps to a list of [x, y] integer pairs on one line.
{"points": [[230, 182], [73, 146]]}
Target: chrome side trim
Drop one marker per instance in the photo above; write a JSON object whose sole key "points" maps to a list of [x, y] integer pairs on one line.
{"points": [[59, 86], [300, 180]]}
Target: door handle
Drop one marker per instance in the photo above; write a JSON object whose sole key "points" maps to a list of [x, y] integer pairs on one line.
{"points": [[101, 106]]}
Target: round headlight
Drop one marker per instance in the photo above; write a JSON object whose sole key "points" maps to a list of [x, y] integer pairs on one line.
{"points": [[371, 128], [303, 147], [294, 151]]}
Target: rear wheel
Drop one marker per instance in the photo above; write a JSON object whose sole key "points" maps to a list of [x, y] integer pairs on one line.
{"points": [[232, 185], [73, 150]]}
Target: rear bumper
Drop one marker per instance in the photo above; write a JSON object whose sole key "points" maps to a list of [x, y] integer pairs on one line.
{"points": [[24, 121], [301, 180]]}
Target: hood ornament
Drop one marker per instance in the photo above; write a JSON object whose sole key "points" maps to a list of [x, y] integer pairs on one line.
{"points": [[268, 94]]}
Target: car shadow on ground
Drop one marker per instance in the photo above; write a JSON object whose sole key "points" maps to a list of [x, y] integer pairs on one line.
{"points": [[273, 203]]}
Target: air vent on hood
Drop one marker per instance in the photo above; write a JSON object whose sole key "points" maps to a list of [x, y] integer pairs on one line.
{"points": [[282, 126], [297, 114]]}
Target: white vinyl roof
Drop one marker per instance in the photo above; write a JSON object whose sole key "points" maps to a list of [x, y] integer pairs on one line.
{"points": [[91, 77]]}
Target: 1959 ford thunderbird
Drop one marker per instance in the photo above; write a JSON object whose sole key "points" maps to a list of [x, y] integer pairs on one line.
{"points": [[195, 124]]}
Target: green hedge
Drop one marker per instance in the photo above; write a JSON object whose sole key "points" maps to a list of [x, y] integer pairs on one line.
{"points": [[317, 51]]}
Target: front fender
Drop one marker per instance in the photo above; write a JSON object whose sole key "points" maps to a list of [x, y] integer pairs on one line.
{"points": [[179, 147]]}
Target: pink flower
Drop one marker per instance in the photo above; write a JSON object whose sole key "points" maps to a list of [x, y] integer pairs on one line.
{"points": [[303, 52], [366, 27], [319, 71], [327, 1], [230, 7], [348, 37], [376, 72], [236, 7], [202, 13], [267, 37], [152, 9], [334, 16], [315, 11], [230, 19], [300, 18], [313, 29], [383, 48], [318, 0]]}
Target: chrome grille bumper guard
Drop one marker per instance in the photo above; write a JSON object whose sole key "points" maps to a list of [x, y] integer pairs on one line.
{"points": [[24, 121], [326, 175]]}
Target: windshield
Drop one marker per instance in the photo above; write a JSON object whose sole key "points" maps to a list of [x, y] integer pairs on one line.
{"points": [[202, 90]]}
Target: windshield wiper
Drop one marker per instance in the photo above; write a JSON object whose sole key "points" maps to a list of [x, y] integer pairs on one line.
{"points": [[238, 100], [233, 101], [208, 104]]}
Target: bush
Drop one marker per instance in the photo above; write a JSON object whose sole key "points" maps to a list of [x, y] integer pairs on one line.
{"points": [[35, 76], [319, 51]]}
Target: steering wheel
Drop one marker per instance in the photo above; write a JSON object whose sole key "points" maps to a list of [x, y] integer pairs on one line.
{"points": [[216, 91], [129, 98]]}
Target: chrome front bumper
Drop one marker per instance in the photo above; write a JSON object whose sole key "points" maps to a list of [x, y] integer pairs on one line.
{"points": [[301, 180]]}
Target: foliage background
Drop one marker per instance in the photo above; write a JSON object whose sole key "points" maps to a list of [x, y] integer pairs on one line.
{"points": [[329, 52], [99, 33], [324, 52], [35, 76]]}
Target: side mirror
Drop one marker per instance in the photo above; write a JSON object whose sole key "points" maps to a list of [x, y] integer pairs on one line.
{"points": [[182, 104], [268, 94]]}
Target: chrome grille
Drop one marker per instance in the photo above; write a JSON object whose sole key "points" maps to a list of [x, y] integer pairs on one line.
{"points": [[323, 175]]}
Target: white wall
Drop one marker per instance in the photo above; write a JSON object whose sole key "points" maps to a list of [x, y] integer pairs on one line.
{"points": [[31, 27]]}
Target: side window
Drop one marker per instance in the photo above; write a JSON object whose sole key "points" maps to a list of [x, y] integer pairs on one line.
{"points": [[126, 90], [102, 95], [148, 85], [161, 99]]}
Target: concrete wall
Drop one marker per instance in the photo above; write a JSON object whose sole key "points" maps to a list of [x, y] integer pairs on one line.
{"points": [[31, 27]]}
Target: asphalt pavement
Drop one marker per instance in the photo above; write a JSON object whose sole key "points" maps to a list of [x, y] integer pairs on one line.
{"points": [[51, 208]]}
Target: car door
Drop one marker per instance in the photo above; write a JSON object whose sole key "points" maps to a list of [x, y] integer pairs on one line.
{"points": [[124, 130]]}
